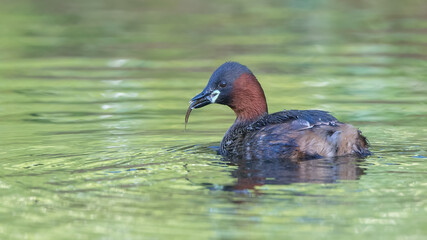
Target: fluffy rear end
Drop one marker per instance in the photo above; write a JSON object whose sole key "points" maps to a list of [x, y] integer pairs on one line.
{"points": [[330, 141], [352, 142], [284, 141]]}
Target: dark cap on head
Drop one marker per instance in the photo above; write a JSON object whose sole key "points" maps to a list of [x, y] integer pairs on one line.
{"points": [[227, 72]]}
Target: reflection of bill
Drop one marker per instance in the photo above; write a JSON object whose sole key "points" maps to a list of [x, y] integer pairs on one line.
{"points": [[325, 170]]}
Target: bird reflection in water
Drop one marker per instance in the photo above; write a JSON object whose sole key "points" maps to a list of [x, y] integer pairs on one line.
{"points": [[250, 174]]}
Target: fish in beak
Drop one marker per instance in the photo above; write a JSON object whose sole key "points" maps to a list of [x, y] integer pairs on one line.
{"points": [[200, 100]]}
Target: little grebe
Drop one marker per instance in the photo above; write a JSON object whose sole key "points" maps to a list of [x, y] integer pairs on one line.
{"points": [[294, 134]]}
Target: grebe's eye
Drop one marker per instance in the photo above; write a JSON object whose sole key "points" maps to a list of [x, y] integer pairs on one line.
{"points": [[223, 84]]}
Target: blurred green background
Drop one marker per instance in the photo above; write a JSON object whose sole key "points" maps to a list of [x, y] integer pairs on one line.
{"points": [[92, 102]]}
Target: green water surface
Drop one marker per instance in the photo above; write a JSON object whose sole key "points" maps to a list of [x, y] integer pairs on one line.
{"points": [[93, 95]]}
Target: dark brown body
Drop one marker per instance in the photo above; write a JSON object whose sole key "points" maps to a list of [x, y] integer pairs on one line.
{"points": [[293, 135]]}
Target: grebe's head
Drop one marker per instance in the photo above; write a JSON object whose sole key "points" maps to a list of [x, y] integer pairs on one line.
{"points": [[234, 85]]}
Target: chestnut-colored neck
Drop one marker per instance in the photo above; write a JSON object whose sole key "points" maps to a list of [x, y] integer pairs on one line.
{"points": [[248, 99]]}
